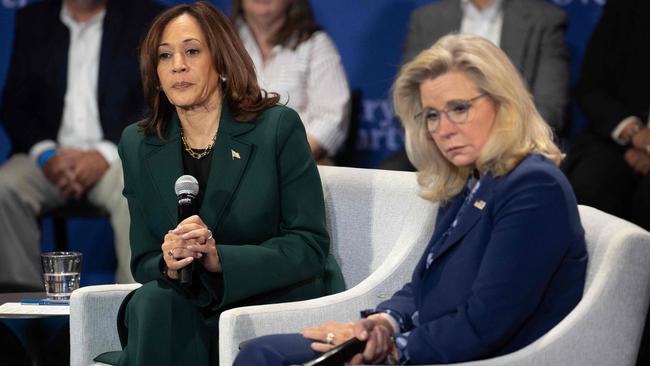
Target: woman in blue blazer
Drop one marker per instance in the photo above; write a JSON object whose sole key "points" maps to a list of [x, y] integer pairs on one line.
{"points": [[507, 259]]}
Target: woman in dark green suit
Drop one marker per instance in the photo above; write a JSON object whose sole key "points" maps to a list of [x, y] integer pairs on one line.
{"points": [[260, 234]]}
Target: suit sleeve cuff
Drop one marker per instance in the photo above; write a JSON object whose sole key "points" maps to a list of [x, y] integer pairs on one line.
{"points": [[393, 322], [616, 134], [108, 150], [41, 147]]}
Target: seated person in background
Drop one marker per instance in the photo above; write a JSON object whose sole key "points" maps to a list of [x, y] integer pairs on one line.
{"points": [[294, 57], [530, 32], [72, 87], [259, 235], [507, 259], [608, 165]]}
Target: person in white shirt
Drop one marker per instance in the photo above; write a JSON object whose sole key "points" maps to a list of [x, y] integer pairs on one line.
{"points": [[72, 86], [295, 58]]}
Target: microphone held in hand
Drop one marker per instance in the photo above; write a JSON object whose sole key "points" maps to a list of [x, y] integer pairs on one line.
{"points": [[187, 189]]}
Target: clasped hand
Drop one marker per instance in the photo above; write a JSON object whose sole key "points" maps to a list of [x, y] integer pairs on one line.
{"points": [[74, 171], [190, 241], [376, 331]]}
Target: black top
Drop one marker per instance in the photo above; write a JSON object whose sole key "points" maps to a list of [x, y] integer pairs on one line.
{"points": [[199, 169]]}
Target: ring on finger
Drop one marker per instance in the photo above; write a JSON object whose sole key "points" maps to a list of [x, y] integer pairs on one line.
{"points": [[170, 252], [209, 235], [329, 339]]}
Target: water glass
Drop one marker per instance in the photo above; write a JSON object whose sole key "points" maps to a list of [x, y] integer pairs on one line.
{"points": [[61, 273]]}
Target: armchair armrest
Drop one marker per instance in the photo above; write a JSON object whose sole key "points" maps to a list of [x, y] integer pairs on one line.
{"points": [[93, 317]]}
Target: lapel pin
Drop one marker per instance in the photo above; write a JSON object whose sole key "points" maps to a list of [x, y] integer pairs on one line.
{"points": [[234, 155], [480, 204]]}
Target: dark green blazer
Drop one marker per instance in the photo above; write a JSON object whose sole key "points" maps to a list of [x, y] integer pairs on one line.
{"points": [[263, 203]]}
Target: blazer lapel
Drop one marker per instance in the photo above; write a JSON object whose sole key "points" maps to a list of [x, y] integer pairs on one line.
{"points": [[56, 47], [446, 216], [515, 31], [472, 213], [230, 157], [164, 165]]}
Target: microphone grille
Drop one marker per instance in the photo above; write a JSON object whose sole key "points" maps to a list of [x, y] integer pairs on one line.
{"points": [[186, 184]]}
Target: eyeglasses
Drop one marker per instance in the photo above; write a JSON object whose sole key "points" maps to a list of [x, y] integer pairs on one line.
{"points": [[456, 112]]}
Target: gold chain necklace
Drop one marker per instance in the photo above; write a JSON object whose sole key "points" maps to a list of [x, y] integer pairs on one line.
{"points": [[192, 151]]}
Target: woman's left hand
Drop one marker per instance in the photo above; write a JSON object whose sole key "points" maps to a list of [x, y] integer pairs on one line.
{"points": [[328, 335], [196, 233], [379, 339]]}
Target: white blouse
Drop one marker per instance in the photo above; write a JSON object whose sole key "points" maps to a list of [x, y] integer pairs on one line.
{"points": [[309, 79]]}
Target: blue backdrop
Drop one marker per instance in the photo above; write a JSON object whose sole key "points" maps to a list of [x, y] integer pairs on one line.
{"points": [[369, 35]]}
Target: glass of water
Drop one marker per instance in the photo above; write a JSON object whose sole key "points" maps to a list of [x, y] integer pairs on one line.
{"points": [[61, 273]]}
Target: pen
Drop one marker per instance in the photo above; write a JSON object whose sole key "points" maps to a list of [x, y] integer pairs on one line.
{"points": [[44, 302]]}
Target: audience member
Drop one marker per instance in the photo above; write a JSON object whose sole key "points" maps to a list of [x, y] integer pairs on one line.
{"points": [[72, 87], [260, 233], [530, 32], [608, 165], [294, 57], [489, 282]]}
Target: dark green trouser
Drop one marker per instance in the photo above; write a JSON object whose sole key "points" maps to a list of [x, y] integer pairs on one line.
{"points": [[164, 328]]}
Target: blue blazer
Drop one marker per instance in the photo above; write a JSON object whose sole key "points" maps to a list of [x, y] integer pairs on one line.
{"points": [[512, 268]]}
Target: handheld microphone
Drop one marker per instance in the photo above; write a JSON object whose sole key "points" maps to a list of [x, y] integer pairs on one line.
{"points": [[186, 188]]}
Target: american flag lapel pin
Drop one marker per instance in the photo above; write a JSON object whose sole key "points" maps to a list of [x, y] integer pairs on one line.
{"points": [[234, 154], [480, 204]]}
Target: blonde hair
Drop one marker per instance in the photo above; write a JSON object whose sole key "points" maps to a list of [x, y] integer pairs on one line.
{"points": [[518, 128]]}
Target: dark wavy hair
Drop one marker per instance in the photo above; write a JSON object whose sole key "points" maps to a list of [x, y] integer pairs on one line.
{"points": [[241, 91], [298, 27]]}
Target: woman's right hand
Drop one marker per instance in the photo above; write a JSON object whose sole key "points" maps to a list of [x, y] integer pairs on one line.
{"points": [[378, 334], [375, 330], [175, 254]]}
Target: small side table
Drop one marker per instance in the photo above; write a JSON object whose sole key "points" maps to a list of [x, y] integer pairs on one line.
{"points": [[45, 337]]}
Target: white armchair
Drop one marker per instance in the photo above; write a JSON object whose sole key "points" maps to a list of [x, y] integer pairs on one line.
{"points": [[378, 228], [604, 329]]}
